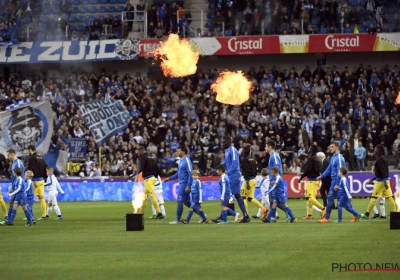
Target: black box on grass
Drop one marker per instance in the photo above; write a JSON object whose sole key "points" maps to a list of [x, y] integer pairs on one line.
{"points": [[394, 220], [135, 222]]}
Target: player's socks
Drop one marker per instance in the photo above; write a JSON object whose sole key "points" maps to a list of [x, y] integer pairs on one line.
{"points": [[383, 210], [153, 210], [271, 214], [49, 209], [10, 209], [179, 212], [245, 204], [12, 216], [202, 215], [340, 213], [224, 216], [28, 216], [317, 209], [375, 210], [352, 211], [57, 209], [230, 212], [43, 206], [290, 213], [242, 207], [189, 216], [329, 209], [162, 208], [259, 213], [4, 207]]}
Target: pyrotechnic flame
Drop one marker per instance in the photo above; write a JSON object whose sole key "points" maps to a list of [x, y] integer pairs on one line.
{"points": [[178, 59], [138, 197], [232, 88], [398, 99]]}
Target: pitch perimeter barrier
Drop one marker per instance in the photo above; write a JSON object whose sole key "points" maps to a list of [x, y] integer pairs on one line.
{"points": [[120, 189]]}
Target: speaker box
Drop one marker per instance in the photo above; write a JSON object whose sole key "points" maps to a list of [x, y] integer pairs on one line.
{"points": [[232, 206], [135, 222], [394, 220]]}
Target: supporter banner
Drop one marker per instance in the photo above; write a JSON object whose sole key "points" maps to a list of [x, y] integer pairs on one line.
{"points": [[30, 124], [121, 189], [77, 149], [57, 159], [73, 51], [104, 118]]}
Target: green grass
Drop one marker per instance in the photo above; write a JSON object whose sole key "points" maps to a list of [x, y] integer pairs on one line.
{"points": [[91, 243]]}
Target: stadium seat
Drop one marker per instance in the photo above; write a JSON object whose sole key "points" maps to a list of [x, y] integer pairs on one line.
{"points": [[315, 21], [46, 11], [56, 2], [82, 18], [27, 20], [94, 2], [228, 32], [93, 10], [211, 6], [391, 20], [122, 2], [102, 10], [44, 20], [83, 10], [55, 10], [76, 2], [362, 12], [391, 11], [210, 24], [75, 10], [113, 2], [111, 9], [389, 28], [119, 17], [362, 2], [85, 2], [80, 28], [103, 2], [101, 17], [120, 9], [354, 3], [211, 15], [324, 30], [72, 19], [239, 15]]}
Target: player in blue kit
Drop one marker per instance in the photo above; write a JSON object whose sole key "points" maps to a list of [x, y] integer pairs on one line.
{"points": [[345, 197], [30, 196], [232, 165], [277, 188], [184, 176], [17, 194], [195, 205], [225, 188], [16, 162], [336, 162]]}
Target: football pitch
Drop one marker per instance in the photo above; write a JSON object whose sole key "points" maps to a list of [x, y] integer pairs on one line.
{"points": [[92, 243]]}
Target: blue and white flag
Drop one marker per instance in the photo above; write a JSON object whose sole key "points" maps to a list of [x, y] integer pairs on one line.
{"points": [[17, 104], [104, 118], [57, 159], [28, 124]]}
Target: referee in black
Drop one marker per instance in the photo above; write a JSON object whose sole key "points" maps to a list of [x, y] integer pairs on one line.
{"points": [[325, 182], [37, 165]]}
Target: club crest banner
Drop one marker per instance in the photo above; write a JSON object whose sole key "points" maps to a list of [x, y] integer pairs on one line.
{"points": [[29, 124], [104, 118]]}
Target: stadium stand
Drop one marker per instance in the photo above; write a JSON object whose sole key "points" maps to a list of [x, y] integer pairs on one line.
{"points": [[352, 105]]}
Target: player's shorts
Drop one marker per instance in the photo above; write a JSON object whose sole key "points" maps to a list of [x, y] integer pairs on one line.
{"points": [[183, 196], [311, 188], [225, 202], [20, 199], [52, 198], [248, 188], [344, 202], [278, 199], [235, 184], [159, 196], [332, 193], [38, 188], [149, 184], [195, 205], [380, 191], [30, 199]]}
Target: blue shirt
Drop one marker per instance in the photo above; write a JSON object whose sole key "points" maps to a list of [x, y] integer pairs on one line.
{"points": [[336, 162], [232, 163], [29, 188], [360, 153], [17, 186], [343, 188], [276, 186], [184, 173], [196, 191], [225, 186], [275, 160], [20, 164]]}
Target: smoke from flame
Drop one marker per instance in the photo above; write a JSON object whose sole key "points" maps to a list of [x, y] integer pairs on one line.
{"points": [[232, 88], [398, 99], [178, 59]]}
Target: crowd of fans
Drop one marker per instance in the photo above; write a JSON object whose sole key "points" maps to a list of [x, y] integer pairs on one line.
{"points": [[297, 107]]}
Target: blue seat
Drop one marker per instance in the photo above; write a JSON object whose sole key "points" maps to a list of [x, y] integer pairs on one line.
{"points": [[324, 30], [27, 20], [113, 2], [122, 2], [103, 2], [111, 9], [55, 10], [391, 11], [44, 19], [76, 2], [362, 12], [82, 18], [72, 19], [94, 2], [315, 21], [354, 3], [210, 24], [101, 17], [239, 15], [228, 32], [391, 20], [119, 17], [75, 10], [85, 2], [211, 15], [389, 28], [93, 10], [362, 3], [83, 10], [102, 10], [46, 11], [211, 6], [80, 28], [121, 9]]}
